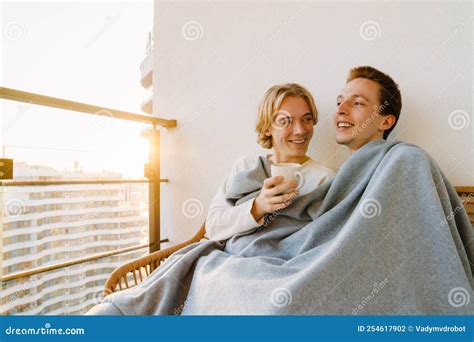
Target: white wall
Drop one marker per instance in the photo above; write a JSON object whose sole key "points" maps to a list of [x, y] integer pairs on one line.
{"points": [[212, 84]]}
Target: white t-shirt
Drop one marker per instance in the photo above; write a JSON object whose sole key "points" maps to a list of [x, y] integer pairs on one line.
{"points": [[224, 220]]}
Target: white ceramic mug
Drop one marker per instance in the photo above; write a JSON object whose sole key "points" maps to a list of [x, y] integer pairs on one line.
{"points": [[289, 172]]}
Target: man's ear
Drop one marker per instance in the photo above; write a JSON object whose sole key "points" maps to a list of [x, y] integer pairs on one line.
{"points": [[388, 121]]}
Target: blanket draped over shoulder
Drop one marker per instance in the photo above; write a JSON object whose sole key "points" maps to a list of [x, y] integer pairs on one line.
{"points": [[387, 236]]}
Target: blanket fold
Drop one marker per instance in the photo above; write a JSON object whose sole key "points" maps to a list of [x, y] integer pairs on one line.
{"points": [[388, 235]]}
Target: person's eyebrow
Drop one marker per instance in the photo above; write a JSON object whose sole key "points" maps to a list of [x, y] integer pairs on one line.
{"points": [[340, 97], [358, 95]]}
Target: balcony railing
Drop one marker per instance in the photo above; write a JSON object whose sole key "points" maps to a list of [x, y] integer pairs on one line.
{"points": [[151, 171]]}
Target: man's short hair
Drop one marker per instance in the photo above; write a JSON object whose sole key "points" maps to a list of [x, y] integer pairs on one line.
{"points": [[389, 93], [271, 103]]}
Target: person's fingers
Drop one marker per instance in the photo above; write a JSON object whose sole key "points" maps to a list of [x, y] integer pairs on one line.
{"points": [[283, 199], [272, 181], [283, 188]]}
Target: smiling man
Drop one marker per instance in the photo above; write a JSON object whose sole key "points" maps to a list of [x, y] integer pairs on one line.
{"points": [[368, 107], [400, 191]]}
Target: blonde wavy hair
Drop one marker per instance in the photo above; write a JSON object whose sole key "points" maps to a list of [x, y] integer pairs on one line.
{"points": [[271, 103]]}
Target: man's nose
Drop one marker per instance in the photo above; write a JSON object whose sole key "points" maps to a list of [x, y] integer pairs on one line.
{"points": [[298, 127], [342, 108]]}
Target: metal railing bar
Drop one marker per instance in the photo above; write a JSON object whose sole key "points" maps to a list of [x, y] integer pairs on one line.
{"points": [[79, 181], [48, 101], [73, 262]]}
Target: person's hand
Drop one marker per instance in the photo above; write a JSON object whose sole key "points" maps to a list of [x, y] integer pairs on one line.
{"points": [[275, 195]]}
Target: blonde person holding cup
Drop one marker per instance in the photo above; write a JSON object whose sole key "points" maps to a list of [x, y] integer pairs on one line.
{"points": [[286, 119]]}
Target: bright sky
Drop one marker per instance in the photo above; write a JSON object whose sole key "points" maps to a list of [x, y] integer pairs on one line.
{"points": [[82, 51]]}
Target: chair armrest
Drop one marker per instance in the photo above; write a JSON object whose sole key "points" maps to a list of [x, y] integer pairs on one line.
{"points": [[148, 262]]}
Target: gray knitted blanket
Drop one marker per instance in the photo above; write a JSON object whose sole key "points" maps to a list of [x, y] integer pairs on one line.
{"points": [[388, 236]]}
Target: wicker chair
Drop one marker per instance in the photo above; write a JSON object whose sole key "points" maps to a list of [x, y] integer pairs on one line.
{"points": [[144, 266]]}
